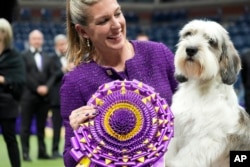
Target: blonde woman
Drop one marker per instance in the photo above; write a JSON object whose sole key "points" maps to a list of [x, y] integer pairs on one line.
{"points": [[98, 46], [12, 79]]}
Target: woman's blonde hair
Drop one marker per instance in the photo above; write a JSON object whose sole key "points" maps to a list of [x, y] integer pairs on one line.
{"points": [[79, 48], [6, 29]]}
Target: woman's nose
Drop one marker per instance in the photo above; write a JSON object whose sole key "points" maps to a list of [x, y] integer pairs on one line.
{"points": [[115, 23]]}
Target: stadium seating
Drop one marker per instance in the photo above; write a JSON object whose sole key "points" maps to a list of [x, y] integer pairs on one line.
{"points": [[163, 27]]}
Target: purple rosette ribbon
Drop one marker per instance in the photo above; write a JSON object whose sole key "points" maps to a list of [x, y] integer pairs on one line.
{"points": [[133, 128]]}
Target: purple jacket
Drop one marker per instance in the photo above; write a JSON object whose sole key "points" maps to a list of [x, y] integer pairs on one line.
{"points": [[152, 64]]}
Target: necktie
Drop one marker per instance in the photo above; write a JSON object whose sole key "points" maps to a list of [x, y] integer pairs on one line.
{"points": [[63, 61], [38, 59]]}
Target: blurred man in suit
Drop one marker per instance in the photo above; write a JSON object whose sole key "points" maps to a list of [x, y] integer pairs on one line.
{"points": [[245, 76], [61, 66], [142, 36], [35, 101]]}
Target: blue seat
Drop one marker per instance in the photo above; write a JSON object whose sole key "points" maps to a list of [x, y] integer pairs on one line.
{"points": [[239, 42], [233, 30], [46, 14], [19, 45], [63, 15], [25, 13], [131, 17]]}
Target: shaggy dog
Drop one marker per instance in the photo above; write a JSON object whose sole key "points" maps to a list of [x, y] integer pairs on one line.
{"points": [[208, 119]]}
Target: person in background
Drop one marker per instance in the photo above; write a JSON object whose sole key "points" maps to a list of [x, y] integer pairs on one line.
{"points": [[98, 46], [35, 101], [12, 80], [142, 37], [245, 78], [61, 66]]}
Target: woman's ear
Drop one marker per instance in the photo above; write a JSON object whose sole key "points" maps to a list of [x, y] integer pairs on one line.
{"points": [[80, 29]]}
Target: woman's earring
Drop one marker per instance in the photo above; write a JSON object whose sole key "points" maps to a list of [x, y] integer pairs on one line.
{"points": [[88, 43]]}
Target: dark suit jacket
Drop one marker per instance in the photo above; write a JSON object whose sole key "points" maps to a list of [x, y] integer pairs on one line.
{"points": [[245, 76], [245, 72], [55, 96], [36, 77], [12, 68]]}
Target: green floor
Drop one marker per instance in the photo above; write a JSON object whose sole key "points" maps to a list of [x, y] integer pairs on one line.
{"points": [[4, 160]]}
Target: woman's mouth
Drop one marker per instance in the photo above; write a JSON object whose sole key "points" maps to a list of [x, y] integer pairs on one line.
{"points": [[115, 37]]}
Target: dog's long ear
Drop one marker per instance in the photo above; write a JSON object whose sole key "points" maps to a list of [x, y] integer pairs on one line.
{"points": [[230, 63]]}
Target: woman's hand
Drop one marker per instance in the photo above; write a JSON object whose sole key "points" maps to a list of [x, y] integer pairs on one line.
{"points": [[81, 115], [2, 79]]}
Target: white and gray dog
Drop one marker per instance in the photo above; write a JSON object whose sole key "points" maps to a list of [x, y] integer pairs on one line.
{"points": [[209, 122]]}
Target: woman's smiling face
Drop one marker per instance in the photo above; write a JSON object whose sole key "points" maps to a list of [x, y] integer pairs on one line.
{"points": [[106, 25]]}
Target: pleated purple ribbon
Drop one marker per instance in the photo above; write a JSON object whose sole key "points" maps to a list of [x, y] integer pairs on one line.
{"points": [[133, 128]]}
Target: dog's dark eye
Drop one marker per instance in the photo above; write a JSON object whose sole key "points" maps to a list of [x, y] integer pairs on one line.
{"points": [[187, 34], [212, 42]]}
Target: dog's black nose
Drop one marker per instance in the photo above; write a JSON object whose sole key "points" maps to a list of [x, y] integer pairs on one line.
{"points": [[191, 51]]}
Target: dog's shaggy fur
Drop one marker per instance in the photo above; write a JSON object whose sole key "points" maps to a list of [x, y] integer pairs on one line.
{"points": [[208, 120]]}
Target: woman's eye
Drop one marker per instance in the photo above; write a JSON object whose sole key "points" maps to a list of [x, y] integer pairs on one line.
{"points": [[102, 21], [118, 14], [105, 20]]}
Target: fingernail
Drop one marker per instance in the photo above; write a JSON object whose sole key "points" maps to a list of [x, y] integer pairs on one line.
{"points": [[95, 113]]}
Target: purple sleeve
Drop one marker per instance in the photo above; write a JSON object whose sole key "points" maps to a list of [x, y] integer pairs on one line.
{"points": [[167, 63], [70, 100], [171, 69]]}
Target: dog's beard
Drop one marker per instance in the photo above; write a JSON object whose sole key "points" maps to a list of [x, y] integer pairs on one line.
{"points": [[190, 68]]}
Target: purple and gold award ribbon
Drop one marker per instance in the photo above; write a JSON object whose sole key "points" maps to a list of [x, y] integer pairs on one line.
{"points": [[133, 128]]}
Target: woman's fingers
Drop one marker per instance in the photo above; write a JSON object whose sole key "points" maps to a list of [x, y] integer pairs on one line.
{"points": [[81, 115]]}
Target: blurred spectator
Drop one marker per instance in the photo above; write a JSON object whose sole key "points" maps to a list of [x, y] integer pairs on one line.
{"points": [[61, 66], [142, 37], [245, 76], [12, 80], [35, 101]]}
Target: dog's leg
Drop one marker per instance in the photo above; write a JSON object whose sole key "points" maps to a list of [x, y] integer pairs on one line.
{"points": [[172, 151]]}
